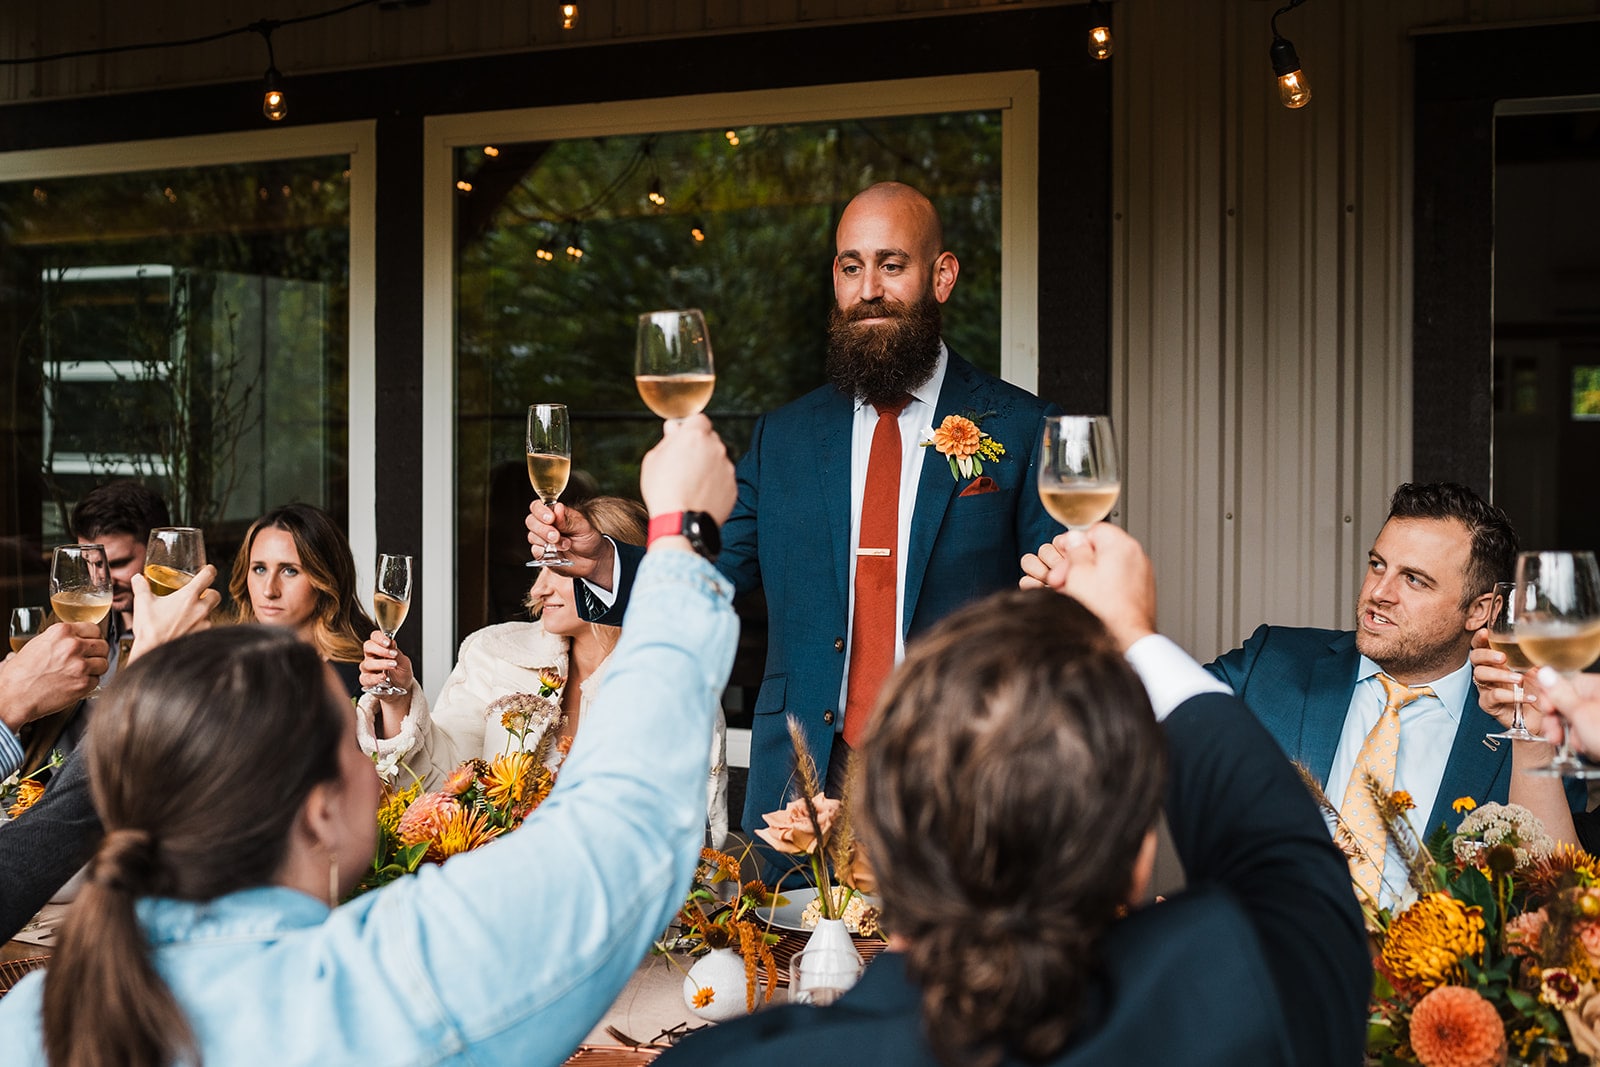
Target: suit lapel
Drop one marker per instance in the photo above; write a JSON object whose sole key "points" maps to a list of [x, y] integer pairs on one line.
{"points": [[1472, 768], [935, 487], [1332, 681], [835, 422]]}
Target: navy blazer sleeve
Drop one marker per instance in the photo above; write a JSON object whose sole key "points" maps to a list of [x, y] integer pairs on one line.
{"points": [[45, 845]]}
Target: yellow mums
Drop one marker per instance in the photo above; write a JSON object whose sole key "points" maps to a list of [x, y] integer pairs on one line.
{"points": [[1428, 941]]}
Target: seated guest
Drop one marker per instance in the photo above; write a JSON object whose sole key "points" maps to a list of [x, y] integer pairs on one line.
{"points": [[53, 671], [295, 570], [1335, 699], [45, 845], [1010, 782], [558, 653], [206, 934]]}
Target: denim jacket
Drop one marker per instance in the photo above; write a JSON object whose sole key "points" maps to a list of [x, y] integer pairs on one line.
{"points": [[507, 954]]}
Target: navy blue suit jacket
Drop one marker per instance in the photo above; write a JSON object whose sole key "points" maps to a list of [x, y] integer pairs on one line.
{"points": [[789, 534], [1298, 682], [1261, 960]]}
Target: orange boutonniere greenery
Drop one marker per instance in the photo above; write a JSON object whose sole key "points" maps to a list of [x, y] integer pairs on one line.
{"points": [[961, 440]]}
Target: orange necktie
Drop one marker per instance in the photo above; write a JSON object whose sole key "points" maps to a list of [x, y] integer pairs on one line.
{"points": [[1379, 754], [874, 620]]}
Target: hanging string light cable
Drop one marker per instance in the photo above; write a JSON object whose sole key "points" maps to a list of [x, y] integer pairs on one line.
{"points": [[1293, 89]]}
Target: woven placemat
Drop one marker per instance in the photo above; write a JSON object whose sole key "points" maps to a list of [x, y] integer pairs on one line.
{"points": [[11, 971], [612, 1056]]}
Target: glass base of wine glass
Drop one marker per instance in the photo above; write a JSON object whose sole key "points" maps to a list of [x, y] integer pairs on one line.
{"points": [[1517, 733], [385, 689], [554, 559], [1565, 766]]}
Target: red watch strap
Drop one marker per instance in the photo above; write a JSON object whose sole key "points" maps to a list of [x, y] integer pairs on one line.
{"points": [[667, 525]]}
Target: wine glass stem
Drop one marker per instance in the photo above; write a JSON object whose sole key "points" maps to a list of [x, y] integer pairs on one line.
{"points": [[1516, 708]]}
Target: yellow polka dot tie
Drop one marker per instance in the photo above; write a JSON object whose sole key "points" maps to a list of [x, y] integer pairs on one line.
{"points": [[1379, 754]]}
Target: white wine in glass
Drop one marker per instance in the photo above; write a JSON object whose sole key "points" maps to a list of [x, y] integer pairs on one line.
{"points": [[673, 367], [26, 624], [391, 600], [80, 586], [1079, 477], [1558, 626], [172, 557], [1503, 639], [549, 445]]}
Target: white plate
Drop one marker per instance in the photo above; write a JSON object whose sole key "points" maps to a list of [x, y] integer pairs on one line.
{"points": [[787, 916]]}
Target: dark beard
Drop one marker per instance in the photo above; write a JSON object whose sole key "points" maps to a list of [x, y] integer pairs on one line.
{"points": [[885, 361]]}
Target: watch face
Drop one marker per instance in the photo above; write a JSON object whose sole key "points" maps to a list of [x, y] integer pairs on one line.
{"points": [[702, 532]]}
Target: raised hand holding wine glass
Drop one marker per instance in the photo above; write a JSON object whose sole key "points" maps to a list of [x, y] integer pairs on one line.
{"points": [[1079, 476], [391, 600], [1558, 626], [172, 557], [673, 367], [80, 585], [549, 464]]}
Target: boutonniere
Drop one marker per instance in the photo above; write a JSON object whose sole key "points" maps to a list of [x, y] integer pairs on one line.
{"points": [[961, 440]]}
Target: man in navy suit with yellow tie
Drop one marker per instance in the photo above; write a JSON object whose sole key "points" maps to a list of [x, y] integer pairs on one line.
{"points": [[1395, 696], [859, 536]]}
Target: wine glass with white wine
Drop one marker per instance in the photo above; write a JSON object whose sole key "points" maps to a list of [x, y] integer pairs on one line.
{"points": [[549, 465], [672, 365], [1503, 639], [172, 557], [26, 624], [391, 600], [80, 585], [1079, 477], [1558, 596]]}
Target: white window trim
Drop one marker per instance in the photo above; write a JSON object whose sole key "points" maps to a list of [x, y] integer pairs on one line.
{"points": [[1015, 93], [354, 139]]}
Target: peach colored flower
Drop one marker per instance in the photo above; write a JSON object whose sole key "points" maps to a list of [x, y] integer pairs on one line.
{"points": [[460, 779], [1524, 932], [1588, 932], [28, 794], [790, 830], [957, 436], [426, 817], [1454, 1026]]}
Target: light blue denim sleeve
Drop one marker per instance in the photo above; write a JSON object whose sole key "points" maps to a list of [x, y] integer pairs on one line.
{"points": [[511, 953]]}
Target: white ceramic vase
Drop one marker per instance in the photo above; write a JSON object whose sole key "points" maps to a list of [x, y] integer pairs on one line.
{"points": [[722, 971], [829, 961]]}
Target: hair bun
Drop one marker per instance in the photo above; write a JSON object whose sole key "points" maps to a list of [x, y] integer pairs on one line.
{"points": [[126, 861]]}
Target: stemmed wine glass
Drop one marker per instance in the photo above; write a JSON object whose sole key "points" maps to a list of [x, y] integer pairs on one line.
{"points": [[1079, 478], [549, 465], [26, 624], [672, 365], [173, 556], [1503, 639], [1558, 626], [391, 599], [80, 585]]}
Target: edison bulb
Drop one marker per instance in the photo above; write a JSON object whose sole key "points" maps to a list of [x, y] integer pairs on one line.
{"points": [[1293, 89], [569, 16], [274, 105], [1100, 43]]}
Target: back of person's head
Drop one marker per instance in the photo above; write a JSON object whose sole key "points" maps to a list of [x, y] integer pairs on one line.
{"points": [[124, 507], [199, 762], [1008, 779], [617, 517], [341, 623], [1494, 541]]}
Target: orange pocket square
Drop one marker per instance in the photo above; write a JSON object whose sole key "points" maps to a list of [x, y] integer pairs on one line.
{"points": [[980, 485]]}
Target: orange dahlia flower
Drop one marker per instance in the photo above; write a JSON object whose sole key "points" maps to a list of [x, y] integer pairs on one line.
{"points": [[1453, 1026], [956, 436]]}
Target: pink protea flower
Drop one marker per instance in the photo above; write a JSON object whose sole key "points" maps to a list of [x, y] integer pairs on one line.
{"points": [[426, 817]]}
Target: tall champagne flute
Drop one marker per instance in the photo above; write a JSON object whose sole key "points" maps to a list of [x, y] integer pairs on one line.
{"points": [[1558, 626], [549, 465], [391, 599], [1079, 478], [1503, 639], [672, 365], [80, 585], [172, 557], [26, 624]]}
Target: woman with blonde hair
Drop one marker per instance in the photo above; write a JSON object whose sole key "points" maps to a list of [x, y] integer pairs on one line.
{"points": [[517, 686]]}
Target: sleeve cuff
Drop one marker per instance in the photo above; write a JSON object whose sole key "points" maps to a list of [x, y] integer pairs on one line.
{"points": [[607, 597], [387, 752], [1170, 677]]}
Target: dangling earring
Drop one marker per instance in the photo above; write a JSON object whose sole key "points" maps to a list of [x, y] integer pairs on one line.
{"points": [[333, 879]]}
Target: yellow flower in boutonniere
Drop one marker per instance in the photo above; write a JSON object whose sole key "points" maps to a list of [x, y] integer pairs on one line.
{"points": [[960, 440]]}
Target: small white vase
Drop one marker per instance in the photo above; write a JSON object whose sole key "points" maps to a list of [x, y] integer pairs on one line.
{"points": [[828, 962], [722, 971]]}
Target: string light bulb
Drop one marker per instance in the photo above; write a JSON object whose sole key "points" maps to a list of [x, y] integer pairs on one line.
{"points": [[463, 186], [1294, 91], [698, 231], [733, 138], [543, 252], [574, 248], [1100, 43], [569, 16], [274, 102], [654, 195]]}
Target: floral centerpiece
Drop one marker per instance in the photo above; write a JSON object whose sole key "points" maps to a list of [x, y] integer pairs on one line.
{"points": [[713, 919], [1494, 951]]}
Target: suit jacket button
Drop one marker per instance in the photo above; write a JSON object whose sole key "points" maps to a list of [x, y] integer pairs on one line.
{"points": [[838, 644], [827, 716]]}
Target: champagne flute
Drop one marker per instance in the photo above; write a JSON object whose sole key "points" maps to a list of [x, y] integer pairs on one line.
{"points": [[26, 624], [549, 464], [172, 557], [391, 599], [1078, 474], [672, 366], [80, 585], [1503, 639], [1558, 626]]}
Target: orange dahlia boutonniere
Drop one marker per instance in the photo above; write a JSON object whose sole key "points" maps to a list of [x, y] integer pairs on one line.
{"points": [[960, 440]]}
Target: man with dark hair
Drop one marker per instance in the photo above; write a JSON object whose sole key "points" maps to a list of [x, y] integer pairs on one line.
{"points": [[120, 516], [1010, 783], [1394, 696]]}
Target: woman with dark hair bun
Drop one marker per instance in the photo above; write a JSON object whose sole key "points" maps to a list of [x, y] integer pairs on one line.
{"points": [[238, 809]]}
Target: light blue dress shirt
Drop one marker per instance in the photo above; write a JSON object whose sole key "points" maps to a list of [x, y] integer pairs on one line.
{"points": [[504, 955], [10, 753]]}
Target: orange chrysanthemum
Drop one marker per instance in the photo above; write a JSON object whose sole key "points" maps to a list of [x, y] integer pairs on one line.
{"points": [[1454, 1026], [508, 779], [703, 996], [426, 817], [28, 794], [1566, 866], [957, 436], [462, 832], [1428, 941]]}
